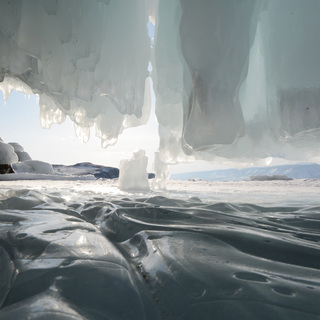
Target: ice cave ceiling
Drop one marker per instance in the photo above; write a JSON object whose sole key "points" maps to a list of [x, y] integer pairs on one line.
{"points": [[235, 79]]}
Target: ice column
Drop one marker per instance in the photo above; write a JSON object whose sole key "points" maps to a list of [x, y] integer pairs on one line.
{"points": [[290, 30], [133, 173], [215, 42], [201, 59], [168, 80]]}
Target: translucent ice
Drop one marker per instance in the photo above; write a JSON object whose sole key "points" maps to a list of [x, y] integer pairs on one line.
{"points": [[86, 60], [244, 75], [133, 173], [233, 79]]}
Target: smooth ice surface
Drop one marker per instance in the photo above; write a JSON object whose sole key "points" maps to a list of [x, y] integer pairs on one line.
{"points": [[200, 250]]}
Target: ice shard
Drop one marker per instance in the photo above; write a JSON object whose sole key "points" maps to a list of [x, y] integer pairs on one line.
{"points": [[249, 81]]}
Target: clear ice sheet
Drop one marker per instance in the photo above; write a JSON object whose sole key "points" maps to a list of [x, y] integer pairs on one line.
{"points": [[90, 252]]}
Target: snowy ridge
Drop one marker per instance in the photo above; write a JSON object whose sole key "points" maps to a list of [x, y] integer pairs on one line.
{"points": [[293, 171]]}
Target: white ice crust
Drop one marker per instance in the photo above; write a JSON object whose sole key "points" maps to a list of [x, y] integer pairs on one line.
{"points": [[233, 79]]}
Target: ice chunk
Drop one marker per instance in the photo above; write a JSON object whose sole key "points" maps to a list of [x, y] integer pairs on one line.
{"points": [[133, 173], [7, 154], [19, 150], [162, 172]]}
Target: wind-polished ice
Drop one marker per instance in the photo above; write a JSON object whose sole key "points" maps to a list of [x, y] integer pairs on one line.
{"points": [[77, 254]]}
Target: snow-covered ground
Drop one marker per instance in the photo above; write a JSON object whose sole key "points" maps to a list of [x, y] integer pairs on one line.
{"points": [[261, 192]]}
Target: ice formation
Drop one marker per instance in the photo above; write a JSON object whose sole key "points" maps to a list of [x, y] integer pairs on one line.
{"points": [[19, 150], [12, 152], [33, 166], [133, 173], [7, 154], [88, 60], [233, 79]]}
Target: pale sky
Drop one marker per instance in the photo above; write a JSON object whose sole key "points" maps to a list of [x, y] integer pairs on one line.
{"points": [[20, 122]]}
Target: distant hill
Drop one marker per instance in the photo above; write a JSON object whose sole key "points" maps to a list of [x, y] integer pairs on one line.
{"points": [[88, 168], [294, 171]]}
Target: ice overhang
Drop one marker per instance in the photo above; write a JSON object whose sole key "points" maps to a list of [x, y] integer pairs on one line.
{"points": [[232, 79]]}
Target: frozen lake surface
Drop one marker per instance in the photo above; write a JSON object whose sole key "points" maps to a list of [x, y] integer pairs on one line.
{"points": [[200, 250]]}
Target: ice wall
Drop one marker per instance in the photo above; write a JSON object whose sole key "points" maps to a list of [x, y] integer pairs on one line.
{"points": [[233, 79], [245, 76]]}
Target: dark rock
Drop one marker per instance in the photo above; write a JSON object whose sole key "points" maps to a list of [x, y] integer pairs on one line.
{"points": [[107, 173], [6, 168]]}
